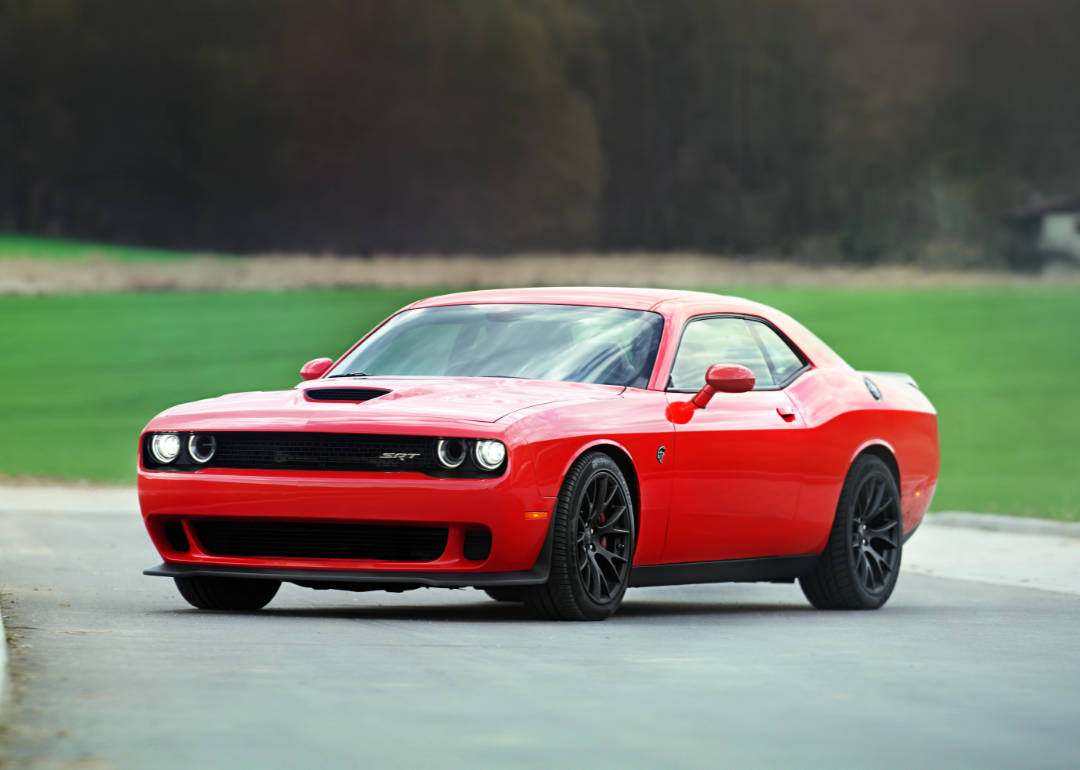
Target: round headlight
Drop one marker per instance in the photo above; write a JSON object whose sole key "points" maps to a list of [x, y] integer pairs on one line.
{"points": [[201, 448], [489, 454], [165, 447], [450, 452]]}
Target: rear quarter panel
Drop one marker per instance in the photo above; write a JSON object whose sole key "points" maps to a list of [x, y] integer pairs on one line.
{"points": [[843, 420]]}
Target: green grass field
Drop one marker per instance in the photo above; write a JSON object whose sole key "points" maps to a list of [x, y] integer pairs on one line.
{"points": [[82, 375], [38, 247]]}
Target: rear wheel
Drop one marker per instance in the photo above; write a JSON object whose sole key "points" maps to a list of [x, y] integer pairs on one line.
{"points": [[861, 562], [505, 593], [592, 547], [221, 593]]}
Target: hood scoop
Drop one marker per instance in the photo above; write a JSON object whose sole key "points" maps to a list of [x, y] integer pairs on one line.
{"points": [[347, 395]]}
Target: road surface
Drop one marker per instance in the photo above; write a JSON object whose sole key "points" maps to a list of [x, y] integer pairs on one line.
{"points": [[112, 669]]}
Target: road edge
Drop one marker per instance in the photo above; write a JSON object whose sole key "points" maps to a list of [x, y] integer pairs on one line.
{"points": [[991, 522], [5, 684]]}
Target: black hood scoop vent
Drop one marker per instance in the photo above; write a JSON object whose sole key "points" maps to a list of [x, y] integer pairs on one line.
{"points": [[349, 395]]}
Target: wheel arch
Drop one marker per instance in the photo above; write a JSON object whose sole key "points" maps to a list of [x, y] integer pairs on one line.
{"points": [[621, 457], [886, 454]]}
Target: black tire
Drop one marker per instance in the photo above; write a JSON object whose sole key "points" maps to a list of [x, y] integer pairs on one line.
{"points": [[221, 593], [505, 593], [592, 545], [861, 562]]}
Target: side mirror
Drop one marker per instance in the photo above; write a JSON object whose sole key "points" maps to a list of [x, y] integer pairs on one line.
{"points": [[724, 378], [313, 370]]}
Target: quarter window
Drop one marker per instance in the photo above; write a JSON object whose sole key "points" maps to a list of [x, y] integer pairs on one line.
{"points": [[732, 340]]}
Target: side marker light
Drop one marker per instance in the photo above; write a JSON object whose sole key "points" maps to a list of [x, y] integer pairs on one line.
{"points": [[536, 514]]}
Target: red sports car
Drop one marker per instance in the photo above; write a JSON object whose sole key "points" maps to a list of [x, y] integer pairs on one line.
{"points": [[553, 447]]}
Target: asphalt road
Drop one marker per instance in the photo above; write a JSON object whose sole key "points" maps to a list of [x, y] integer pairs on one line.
{"points": [[114, 670]]}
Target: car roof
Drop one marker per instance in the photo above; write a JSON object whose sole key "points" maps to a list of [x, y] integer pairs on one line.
{"points": [[677, 306], [631, 299]]}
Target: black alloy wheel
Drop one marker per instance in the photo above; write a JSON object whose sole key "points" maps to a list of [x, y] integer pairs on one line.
{"points": [[875, 533], [593, 544], [861, 562], [602, 536]]}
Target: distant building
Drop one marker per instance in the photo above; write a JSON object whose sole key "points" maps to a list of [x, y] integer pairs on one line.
{"points": [[1047, 235]]}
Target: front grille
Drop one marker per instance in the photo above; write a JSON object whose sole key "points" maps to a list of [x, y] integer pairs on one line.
{"points": [[344, 394], [323, 451], [303, 451], [299, 540]]}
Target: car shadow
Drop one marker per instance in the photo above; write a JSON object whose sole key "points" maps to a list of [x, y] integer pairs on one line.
{"points": [[503, 612]]}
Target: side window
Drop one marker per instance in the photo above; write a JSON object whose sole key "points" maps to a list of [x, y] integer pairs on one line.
{"points": [[751, 344], [782, 361], [717, 341]]}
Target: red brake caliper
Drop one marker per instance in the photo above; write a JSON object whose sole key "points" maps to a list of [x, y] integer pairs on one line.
{"points": [[603, 538]]}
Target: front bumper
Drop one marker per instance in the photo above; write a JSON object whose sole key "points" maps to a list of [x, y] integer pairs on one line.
{"points": [[461, 505], [373, 580]]}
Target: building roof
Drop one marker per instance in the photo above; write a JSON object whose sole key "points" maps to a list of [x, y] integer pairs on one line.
{"points": [[1057, 205]]}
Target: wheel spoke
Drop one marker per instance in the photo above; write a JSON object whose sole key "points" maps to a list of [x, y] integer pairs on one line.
{"points": [[863, 567], [602, 587], [608, 527], [872, 510], [601, 496], [611, 556], [883, 507], [610, 496]]}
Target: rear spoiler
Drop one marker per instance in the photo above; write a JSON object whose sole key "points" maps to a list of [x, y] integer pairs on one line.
{"points": [[907, 379]]}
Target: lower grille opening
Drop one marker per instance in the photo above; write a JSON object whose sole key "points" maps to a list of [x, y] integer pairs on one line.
{"points": [[300, 540], [176, 537], [477, 545]]}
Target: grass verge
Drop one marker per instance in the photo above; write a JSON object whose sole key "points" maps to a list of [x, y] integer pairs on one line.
{"points": [[82, 375]]}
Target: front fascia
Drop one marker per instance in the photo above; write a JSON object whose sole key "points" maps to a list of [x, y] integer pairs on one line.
{"points": [[498, 504]]}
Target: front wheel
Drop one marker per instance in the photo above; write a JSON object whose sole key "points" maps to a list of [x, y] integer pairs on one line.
{"points": [[593, 544], [860, 563], [224, 593]]}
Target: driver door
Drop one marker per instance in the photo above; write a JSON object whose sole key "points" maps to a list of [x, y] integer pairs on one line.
{"points": [[738, 463]]}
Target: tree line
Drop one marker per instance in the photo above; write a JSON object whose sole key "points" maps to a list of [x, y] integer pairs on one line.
{"points": [[864, 130]]}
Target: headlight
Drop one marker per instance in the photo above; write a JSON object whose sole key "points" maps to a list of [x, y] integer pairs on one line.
{"points": [[165, 447], [201, 448], [489, 454], [450, 452]]}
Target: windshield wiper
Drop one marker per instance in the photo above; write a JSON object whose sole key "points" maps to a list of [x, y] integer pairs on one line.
{"points": [[351, 374]]}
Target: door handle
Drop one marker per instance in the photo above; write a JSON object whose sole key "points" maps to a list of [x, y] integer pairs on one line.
{"points": [[786, 414]]}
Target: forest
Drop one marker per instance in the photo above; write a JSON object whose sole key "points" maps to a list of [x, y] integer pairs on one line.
{"points": [[865, 131]]}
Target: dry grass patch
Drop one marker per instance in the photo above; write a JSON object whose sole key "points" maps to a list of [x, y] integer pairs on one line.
{"points": [[97, 275]]}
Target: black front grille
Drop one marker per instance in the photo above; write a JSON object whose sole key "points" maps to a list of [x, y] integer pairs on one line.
{"points": [[323, 451], [299, 540], [344, 394]]}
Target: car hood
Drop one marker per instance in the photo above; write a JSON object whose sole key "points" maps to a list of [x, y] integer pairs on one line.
{"points": [[408, 400]]}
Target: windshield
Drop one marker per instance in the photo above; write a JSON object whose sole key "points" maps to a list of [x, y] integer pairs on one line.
{"points": [[572, 343]]}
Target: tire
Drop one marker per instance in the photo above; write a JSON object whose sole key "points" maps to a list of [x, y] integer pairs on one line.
{"points": [[592, 546], [861, 561], [219, 593]]}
